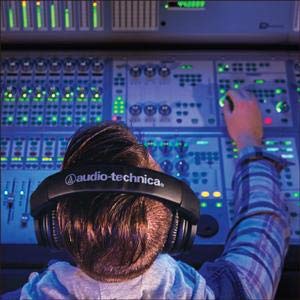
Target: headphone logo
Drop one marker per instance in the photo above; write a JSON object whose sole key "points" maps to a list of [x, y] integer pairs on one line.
{"points": [[70, 179], [98, 176]]}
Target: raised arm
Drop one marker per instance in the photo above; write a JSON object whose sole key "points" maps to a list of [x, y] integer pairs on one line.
{"points": [[257, 243]]}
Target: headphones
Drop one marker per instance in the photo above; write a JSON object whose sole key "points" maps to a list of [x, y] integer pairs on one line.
{"points": [[175, 193]]}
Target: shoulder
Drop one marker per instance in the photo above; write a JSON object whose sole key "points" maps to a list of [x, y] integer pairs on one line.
{"points": [[168, 278]]}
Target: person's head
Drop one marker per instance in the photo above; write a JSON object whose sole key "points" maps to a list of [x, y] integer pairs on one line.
{"points": [[112, 236]]}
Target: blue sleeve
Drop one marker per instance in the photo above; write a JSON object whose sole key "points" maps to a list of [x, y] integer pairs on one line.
{"points": [[222, 278]]}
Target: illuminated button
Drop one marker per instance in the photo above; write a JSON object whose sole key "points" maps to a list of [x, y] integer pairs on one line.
{"points": [[282, 107], [296, 194], [22, 193], [268, 120], [219, 204], [203, 204], [204, 194], [5, 193], [259, 81], [272, 149], [217, 194]]}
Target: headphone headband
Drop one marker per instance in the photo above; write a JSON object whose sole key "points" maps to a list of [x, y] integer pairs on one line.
{"points": [[116, 178]]}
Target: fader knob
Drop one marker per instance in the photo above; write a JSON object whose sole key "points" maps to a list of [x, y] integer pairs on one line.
{"points": [[150, 110], [135, 110], [24, 219], [149, 71], [164, 110], [182, 166], [164, 71], [167, 166], [135, 71]]}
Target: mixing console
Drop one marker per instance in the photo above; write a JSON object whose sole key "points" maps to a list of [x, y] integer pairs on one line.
{"points": [[172, 103]]}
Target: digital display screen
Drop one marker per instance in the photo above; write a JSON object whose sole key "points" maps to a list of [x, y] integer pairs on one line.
{"points": [[184, 4]]}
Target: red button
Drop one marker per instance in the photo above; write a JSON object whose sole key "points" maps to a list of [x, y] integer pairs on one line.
{"points": [[268, 120]]}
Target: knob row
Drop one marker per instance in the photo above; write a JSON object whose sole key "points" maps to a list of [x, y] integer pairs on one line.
{"points": [[149, 71], [54, 65], [150, 110]]}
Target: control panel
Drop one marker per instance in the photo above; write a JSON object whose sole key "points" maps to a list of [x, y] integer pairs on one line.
{"points": [[151, 21], [173, 103]]}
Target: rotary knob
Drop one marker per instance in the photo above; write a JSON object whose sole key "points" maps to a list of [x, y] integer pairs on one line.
{"points": [[135, 71], [167, 166], [165, 110], [97, 65], [135, 110], [55, 65], [164, 71], [150, 110], [150, 71], [41, 65], [182, 166]]}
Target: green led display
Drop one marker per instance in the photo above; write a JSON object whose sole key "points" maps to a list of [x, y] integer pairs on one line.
{"points": [[202, 142], [185, 4], [296, 194], [259, 81], [186, 67], [203, 204], [10, 18], [38, 15], [52, 15], [119, 105], [67, 18], [24, 13]]}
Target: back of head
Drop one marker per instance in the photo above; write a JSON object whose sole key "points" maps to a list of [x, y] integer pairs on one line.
{"points": [[112, 236]]}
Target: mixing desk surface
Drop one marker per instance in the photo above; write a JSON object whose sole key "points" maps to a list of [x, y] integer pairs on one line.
{"points": [[172, 103]]}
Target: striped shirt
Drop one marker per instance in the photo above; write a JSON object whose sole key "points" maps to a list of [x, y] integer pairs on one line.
{"points": [[258, 240]]}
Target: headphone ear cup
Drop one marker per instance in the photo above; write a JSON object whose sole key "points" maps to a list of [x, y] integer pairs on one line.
{"points": [[172, 235], [47, 230], [56, 237], [182, 233]]}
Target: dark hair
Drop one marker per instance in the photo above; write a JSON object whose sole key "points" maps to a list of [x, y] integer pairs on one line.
{"points": [[112, 236]]}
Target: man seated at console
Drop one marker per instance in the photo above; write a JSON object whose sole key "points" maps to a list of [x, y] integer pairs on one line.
{"points": [[118, 239]]}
